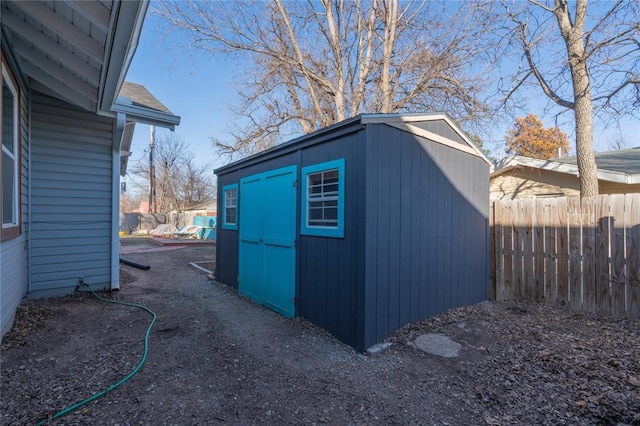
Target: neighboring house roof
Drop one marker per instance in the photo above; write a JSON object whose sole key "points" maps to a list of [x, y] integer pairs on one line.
{"points": [[204, 206], [620, 166]]}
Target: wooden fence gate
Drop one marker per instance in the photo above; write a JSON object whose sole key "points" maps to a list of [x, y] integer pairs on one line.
{"points": [[583, 253]]}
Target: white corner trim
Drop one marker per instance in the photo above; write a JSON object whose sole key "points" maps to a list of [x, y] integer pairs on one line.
{"points": [[409, 128]]}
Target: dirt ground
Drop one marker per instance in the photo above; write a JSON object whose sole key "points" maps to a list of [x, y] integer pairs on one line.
{"points": [[216, 357]]}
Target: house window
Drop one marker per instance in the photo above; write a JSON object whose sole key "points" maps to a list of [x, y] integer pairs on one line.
{"points": [[230, 207], [10, 157], [323, 199]]}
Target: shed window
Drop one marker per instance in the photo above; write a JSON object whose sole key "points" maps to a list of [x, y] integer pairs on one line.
{"points": [[323, 204], [230, 207], [10, 157]]}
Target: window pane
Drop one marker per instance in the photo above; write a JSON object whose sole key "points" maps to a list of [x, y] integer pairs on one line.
{"points": [[230, 198], [331, 176], [331, 214], [230, 216], [322, 198], [8, 188], [315, 213], [7, 117]]}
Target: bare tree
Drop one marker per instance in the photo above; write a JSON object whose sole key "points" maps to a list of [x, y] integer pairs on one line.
{"points": [[313, 63], [587, 63], [180, 182]]}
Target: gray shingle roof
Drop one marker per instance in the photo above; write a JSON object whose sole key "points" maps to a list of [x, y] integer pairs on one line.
{"points": [[141, 97], [623, 160]]}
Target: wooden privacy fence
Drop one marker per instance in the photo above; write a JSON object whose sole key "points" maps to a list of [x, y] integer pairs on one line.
{"points": [[582, 253]]}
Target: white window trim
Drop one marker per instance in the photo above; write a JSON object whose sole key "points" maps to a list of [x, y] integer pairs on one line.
{"points": [[225, 206], [321, 198], [6, 77], [336, 231]]}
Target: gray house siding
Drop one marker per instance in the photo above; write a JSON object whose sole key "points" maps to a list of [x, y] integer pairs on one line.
{"points": [[71, 200], [426, 230], [13, 252]]}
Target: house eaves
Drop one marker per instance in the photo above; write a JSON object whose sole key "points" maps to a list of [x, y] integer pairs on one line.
{"points": [[516, 161], [79, 50]]}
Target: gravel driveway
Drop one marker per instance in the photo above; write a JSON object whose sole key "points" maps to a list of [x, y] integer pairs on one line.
{"points": [[216, 357]]}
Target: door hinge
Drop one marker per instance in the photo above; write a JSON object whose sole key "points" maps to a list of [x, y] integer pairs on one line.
{"points": [[238, 279], [295, 183]]}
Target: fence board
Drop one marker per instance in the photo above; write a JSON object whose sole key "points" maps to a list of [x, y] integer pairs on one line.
{"points": [[632, 220], [550, 250], [575, 253], [603, 279], [518, 253], [498, 251], [507, 230], [492, 250], [588, 223], [618, 280], [585, 253], [538, 250], [528, 283], [562, 231]]}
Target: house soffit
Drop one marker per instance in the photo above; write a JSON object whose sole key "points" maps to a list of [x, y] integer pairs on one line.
{"points": [[61, 44]]}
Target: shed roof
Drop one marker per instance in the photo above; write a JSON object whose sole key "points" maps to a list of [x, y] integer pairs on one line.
{"points": [[622, 166], [402, 121]]}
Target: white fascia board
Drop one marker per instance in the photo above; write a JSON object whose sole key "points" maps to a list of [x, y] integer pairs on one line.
{"points": [[122, 41], [146, 115]]}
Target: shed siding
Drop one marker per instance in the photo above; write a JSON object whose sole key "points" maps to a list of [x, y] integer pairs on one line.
{"points": [[442, 128], [331, 270], [426, 230], [13, 253], [71, 183], [415, 230]]}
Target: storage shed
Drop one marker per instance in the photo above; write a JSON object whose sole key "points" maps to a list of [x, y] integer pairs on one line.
{"points": [[361, 227]]}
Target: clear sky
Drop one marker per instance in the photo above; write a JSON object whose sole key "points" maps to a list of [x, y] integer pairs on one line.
{"points": [[196, 86], [191, 86]]}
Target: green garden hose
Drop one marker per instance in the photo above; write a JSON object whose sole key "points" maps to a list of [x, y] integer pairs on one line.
{"points": [[123, 380]]}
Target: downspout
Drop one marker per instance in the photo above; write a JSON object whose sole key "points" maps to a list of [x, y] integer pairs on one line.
{"points": [[118, 132]]}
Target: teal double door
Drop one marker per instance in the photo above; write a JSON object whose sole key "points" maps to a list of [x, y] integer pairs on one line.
{"points": [[267, 226]]}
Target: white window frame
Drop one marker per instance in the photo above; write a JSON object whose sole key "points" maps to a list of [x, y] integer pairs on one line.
{"points": [[330, 228], [225, 206], [14, 156]]}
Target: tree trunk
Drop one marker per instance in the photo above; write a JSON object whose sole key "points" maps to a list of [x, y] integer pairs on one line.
{"points": [[573, 35]]}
